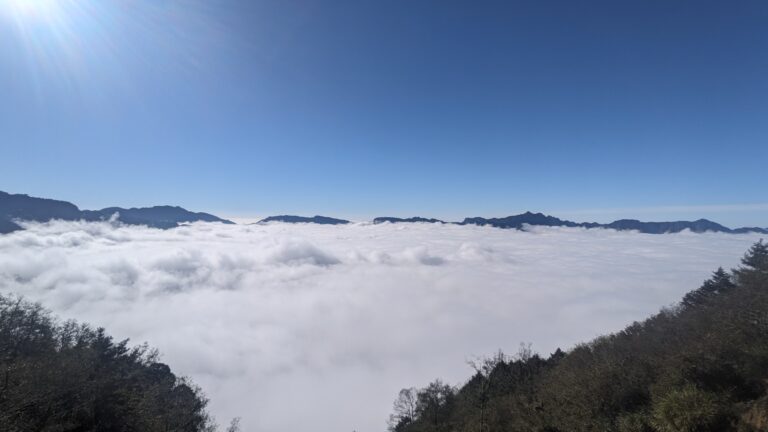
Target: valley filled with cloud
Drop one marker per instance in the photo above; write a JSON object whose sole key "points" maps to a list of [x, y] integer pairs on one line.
{"points": [[299, 327]]}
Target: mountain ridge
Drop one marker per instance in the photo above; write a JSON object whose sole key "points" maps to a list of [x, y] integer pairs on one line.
{"points": [[21, 207], [415, 219], [320, 220], [539, 219]]}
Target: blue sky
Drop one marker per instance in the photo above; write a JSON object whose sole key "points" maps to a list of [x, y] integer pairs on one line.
{"points": [[591, 110]]}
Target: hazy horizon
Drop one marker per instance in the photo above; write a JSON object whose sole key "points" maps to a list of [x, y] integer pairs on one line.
{"points": [[730, 215]]}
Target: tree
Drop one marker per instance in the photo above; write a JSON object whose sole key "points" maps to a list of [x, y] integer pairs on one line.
{"points": [[634, 422], [432, 404], [69, 376], [756, 257], [719, 283], [754, 264], [484, 369], [404, 410], [688, 410], [234, 425]]}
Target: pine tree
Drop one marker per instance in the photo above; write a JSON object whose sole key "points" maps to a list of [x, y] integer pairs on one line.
{"points": [[720, 282], [757, 257], [754, 264]]}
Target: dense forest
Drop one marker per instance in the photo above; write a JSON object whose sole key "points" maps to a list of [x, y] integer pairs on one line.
{"points": [[700, 366], [64, 376]]}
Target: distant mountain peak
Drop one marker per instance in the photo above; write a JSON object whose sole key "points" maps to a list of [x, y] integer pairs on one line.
{"points": [[23, 207], [322, 220], [519, 221], [415, 219], [540, 219]]}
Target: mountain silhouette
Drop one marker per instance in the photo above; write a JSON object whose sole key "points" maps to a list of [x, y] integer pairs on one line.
{"points": [[527, 218], [384, 219], [322, 220], [698, 226], [156, 217], [19, 207], [538, 219]]}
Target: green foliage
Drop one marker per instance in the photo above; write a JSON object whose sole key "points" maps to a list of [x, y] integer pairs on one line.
{"points": [[688, 410], [754, 264], [70, 377], [634, 422], [718, 284], [701, 366], [757, 257]]}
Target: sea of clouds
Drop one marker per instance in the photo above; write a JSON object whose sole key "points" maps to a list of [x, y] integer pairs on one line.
{"points": [[311, 327]]}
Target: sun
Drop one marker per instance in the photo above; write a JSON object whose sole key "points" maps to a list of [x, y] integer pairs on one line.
{"points": [[25, 10]]}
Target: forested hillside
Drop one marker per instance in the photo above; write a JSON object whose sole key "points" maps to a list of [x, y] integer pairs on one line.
{"points": [[700, 366], [70, 377]]}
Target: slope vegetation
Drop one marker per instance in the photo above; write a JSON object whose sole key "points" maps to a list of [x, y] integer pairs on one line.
{"points": [[70, 377], [700, 366]]}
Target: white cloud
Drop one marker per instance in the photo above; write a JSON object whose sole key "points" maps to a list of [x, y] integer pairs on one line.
{"points": [[299, 327]]}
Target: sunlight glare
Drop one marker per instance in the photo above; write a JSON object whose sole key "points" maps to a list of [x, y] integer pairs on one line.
{"points": [[33, 9]]}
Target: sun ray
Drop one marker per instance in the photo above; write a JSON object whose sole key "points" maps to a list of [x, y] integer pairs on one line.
{"points": [[25, 10]]}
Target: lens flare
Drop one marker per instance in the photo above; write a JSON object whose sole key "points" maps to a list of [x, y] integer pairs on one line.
{"points": [[32, 9], [46, 31], [92, 50]]}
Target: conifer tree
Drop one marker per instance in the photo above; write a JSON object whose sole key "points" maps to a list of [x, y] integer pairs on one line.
{"points": [[719, 283]]}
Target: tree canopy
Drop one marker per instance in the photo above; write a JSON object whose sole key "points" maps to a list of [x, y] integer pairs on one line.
{"points": [[64, 376]]}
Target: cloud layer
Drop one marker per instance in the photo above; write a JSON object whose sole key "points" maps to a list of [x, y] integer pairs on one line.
{"points": [[310, 327]]}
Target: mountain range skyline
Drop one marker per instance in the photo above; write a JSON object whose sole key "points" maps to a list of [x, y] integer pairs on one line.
{"points": [[736, 214], [21, 207], [729, 214]]}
